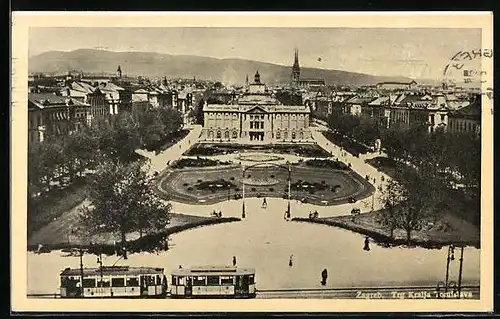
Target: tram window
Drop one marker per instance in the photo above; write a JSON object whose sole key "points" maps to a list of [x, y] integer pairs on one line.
{"points": [[118, 282], [89, 283], [104, 283], [213, 280], [132, 282], [158, 279], [150, 280], [199, 280], [251, 279], [174, 280], [226, 280]]}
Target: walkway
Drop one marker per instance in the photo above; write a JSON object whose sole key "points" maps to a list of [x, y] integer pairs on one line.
{"points": [[158, 162]]}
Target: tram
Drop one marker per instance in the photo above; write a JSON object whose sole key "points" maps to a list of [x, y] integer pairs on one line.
{"points": [[113, 282], [213, 282]]}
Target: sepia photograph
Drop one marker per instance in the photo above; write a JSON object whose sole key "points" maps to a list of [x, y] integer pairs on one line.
{"points": [[313, 161]]}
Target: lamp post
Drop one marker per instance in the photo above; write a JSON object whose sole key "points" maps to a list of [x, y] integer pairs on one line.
{"points": [[451, 256], [289, 190], [460, 270], [81, 268], [243, 193]]}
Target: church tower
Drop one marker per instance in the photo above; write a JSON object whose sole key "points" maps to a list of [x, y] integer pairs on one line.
{"points": [[119, 72], [257, 78], [296, 68]]}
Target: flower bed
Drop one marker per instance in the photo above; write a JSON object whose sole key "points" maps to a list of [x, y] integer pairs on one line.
{"points": [[197, 162], [212, 149], [327, 164]]}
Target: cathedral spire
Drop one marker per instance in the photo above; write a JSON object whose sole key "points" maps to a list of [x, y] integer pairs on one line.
{"points": [[296, 68]]}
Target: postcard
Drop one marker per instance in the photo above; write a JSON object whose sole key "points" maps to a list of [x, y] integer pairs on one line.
{"points": [[252, 161]]}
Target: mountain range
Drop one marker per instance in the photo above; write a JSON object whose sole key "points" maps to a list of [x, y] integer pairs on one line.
{"points": [[229, 71]]}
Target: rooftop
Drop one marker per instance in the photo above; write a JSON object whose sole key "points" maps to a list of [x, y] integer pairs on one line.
{"points": [[112, 270], [47, 100]]}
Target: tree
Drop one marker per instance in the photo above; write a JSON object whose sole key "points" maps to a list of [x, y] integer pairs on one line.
{"points": [[171, 119], [392, 198], [80, 147], [150, 127], [124, 139], [419, 198], [123, 201]]}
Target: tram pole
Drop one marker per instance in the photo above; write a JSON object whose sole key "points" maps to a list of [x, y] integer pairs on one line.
{"points": [[451, 256], [81, 268], [289, 189], [243, 194], [460, 270]]}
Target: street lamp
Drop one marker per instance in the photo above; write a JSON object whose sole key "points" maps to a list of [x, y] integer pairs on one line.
{"points": [[289, 190], [451, 257], [243, 193]]}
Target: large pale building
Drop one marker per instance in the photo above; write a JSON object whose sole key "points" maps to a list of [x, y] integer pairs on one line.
{"points": [[256, 117]]}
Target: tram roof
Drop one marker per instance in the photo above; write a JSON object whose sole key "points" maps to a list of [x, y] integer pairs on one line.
{"points": [[213, 271], [113, 270]]}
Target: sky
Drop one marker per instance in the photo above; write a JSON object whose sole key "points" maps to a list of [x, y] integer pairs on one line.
{"points": [[415, 53]]}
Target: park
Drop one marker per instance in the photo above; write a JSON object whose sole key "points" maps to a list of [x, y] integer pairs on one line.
{"points": [[195, 185]]}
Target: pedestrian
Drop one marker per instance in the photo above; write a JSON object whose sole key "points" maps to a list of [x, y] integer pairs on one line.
{"points": [[367, 244], [324, 276], [234, 261], [290, 262], [180, 266]]}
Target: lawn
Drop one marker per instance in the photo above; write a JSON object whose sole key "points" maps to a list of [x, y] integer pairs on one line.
{"points": [[447, 229], [311, 184], [42, 211]]}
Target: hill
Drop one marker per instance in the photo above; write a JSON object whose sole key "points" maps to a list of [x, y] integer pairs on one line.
{"points": [[231, 71]]}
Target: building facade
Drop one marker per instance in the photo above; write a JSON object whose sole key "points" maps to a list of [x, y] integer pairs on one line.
{"points": [[52, 115], [256, 117]]}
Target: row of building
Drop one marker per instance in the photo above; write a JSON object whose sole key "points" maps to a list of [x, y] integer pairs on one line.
{"points": [[58, 105], [451, 112]]}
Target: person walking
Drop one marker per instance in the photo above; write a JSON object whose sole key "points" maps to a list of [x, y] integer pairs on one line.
{"points": [[234, 261], [324, 276], [367, 244], [290, 262]]}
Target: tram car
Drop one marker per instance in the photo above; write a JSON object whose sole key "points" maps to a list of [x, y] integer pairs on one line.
{"points": [[113, 282], [213, 282]]}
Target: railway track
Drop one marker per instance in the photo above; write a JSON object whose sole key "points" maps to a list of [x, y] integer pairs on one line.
{"points": [[362, 293]]}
